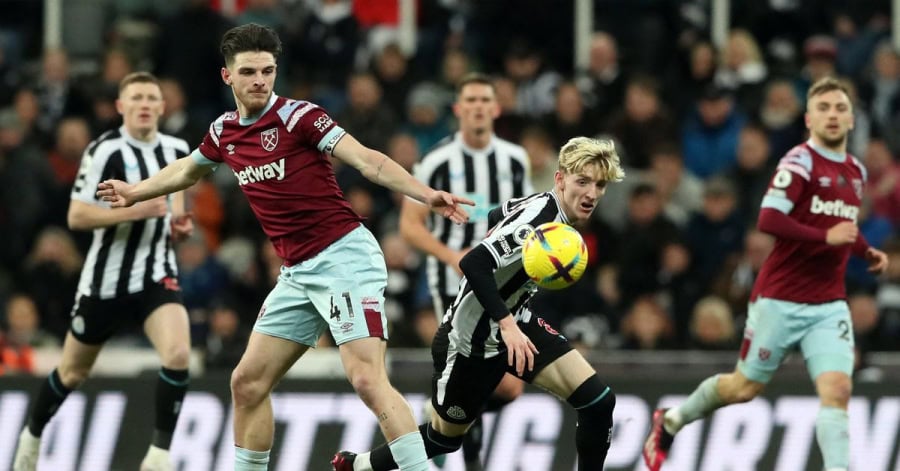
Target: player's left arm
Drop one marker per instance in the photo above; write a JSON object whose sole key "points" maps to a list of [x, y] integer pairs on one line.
{"points": [[381, 169]]}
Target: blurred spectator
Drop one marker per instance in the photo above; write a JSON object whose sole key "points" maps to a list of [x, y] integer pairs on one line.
{"points": [[647, 232], [27, 110], [717, 232], [324, 51], [367, 116], [262, 12], [643, 123], [781, 115], [400, 293], [710, 135], [680, 191], [820, 53], [603, 83], [741, 68], [202, 278], [176, 120], [426, 119], [247, 284], [855, 44], [72, 138], [876, 230], [50, 276], [535, 84], [22, 323], [15, 359], [226, 340], [735, 279], [391, 69], [753, 171], [9, 79], [701, 70], [23, 175], [712, 325], [56, 92], [511, 122], [455, 66], [115, 66], [542, 155], [646, 326], [187, 50], [883, 185], [881, 92], [569, 118]]}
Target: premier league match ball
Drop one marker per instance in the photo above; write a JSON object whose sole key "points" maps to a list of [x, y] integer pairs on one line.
{"points": [[554, 255]]}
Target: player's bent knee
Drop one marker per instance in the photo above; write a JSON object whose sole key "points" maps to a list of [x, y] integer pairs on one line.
{"points": [[246, 390], [593, 400], [176, 357]]}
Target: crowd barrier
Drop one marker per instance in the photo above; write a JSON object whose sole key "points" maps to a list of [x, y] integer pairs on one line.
{"points": [[106, 426]]}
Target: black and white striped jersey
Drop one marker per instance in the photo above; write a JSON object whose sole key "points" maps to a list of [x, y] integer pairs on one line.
{"points": [[472, 332], [487, 176], [124, 258]]}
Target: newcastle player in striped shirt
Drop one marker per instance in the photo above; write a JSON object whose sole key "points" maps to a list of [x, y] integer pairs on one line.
{"points": [[477, 164], [334, 273], [490, 330], [129, 275]]}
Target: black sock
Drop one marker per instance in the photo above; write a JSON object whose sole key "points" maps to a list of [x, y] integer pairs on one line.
{"points": [[50, 397], [472, 441], [594, 402], [170, 390], [435, 444]]}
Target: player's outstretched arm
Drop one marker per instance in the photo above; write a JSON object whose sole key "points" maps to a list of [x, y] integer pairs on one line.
{"points": [[174, 177], [86, 217], [381, 169]]}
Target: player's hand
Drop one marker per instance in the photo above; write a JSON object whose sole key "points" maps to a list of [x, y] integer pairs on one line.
{"points": [[842, 233], [519, 349], [182, 226], [116, 193], [878, 260], [448, 205], [156, 208]]}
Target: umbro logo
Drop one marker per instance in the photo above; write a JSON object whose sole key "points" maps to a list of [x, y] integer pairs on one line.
{"points": [[456, 412]]}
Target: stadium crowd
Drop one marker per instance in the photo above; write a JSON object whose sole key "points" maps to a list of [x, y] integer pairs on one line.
{"points": [[673, 249]]}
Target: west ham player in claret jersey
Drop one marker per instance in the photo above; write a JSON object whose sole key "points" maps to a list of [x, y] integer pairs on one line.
{"points": [[334, 273], [799, 299]]}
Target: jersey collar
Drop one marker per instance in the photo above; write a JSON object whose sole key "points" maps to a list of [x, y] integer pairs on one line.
{"points": [[471, 150], [562, 213], [828, 154], [131, 140], [248, 121]]}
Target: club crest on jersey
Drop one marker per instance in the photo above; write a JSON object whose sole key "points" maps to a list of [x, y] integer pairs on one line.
{"points": [[269, 139]]}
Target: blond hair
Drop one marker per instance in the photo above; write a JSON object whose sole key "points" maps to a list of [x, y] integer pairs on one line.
{"points": [[580, 152]]}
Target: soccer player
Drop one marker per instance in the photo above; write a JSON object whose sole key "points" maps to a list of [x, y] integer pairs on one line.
{"points": [[334, 273], [490, 330], [129, 275], [798, 300], [486, 169]]}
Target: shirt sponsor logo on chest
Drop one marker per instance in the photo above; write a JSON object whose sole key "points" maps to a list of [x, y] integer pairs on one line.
{"points": [[258, 173], [836, 208]]}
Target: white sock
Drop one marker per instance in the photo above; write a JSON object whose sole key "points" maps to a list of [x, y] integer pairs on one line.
{"points": [[362, 462], [672, 421]]}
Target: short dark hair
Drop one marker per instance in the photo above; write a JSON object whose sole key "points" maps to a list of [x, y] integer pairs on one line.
{"points": [[474, 77], [825, 85], [137, 77], [249, 37]]}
